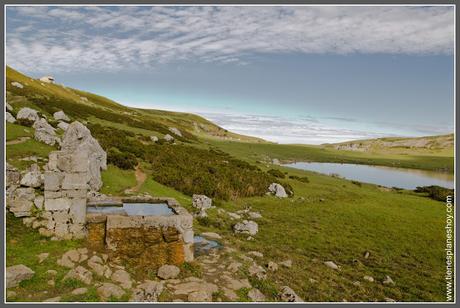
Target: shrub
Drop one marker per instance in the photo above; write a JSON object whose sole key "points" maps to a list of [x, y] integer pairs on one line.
{"points": [[303, 179], [276, 173], [435, 192], [25, 122], [122, 160]]}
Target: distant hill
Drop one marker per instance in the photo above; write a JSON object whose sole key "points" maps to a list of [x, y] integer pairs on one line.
{"points": [[106, 112], [429, 143]]}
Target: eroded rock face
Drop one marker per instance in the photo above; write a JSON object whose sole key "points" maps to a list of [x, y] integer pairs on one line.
{"points": [[17, 273], [45, 133], [28, 114], [277, 190], [60, 115]]}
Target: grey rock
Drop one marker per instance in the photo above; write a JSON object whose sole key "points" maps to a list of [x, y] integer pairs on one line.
{"points": [[277, 190], [17, 273], [80, 273], [368, 278], [45, 133], [32, 178], [28, 114], [388, 281], [257, 271], [168, 137], [256, 296], [175, 131], [13, 176], [79, 291], [168, 272], [60, 115], [201, 202], [331, 265], [246, 227], [254, 215], [53, 299], [256, 254], [272, 266], [199, 296], [108, 290], [123, 278], [211, 235], [288, 295], [148, 291], [286, 263], [154, 138], [9, 118], [17, 84], [42, 257], [9, 107], [63, 125]]}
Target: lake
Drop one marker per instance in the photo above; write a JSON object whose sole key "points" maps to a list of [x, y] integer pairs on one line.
{"points": [[380, 175]]}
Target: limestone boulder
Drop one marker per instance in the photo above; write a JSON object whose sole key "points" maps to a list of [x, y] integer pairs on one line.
{"points": [[175, 131], [154, 138], [80, 273], [63, 125], [17, 84], [9, 118], [60, 115], [108, 290], [17, 273], [246, 227], [168, 138], [277, 190], [45, 133], [33, 177], [168, 272], [28, 114], [201, 202]]}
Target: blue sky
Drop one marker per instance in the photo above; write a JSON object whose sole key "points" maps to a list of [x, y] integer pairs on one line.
{"points": [[287, 74]]}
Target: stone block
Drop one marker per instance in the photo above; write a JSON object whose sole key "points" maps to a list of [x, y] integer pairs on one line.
{"points": [[53, 194], [53, 180], [75, 193], [74, 181], [78, 210], [58, 204]]}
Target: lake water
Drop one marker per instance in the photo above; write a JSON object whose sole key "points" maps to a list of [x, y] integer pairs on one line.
{"points": [[134, 209], [380, 175]]}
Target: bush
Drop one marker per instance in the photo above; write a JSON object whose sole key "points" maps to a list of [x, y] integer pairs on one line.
{"points": [[120, 159], [25, 122], [303, 179], [436, 192], [276, 173]]}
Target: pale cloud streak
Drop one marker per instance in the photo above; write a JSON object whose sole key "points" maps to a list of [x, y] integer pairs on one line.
{"points": [[52, 39]]}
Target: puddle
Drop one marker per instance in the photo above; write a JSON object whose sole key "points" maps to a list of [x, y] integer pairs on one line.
{"points": [[134, 209], [204, 246]]}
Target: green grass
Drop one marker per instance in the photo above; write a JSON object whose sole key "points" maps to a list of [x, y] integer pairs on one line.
{"points": [[267, 151], [23, 246], [15, 131], [117, 180], [31, 147]]}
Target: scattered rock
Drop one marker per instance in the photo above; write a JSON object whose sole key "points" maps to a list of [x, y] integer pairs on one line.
{"points": [[168, 137], [17, 84], [96, 264], [175, 131], [389, 300], [272, 266], [69, 259], [254, 215], [79, 291], [277, 190], [42, 257], [234, 267], [9, 107], [33, 178], [288, 295], [168, 272], [200, 296], [256, 254], [9, 118], [246, 227], [108, 290], [123, 278], [388, 280], [154, 138], [230, 294], [257, 271], [356, 283], [17, 273], [45, 133], [195, 286], [256, 296], [51, 272], [60, 115], [148, 291], [368, 278], [286, 263], [28, 114], [211, 235], [331, 265], [234, 215], [201, 202], [80, 273], [10, 294], [235, 284], [366, 254]]}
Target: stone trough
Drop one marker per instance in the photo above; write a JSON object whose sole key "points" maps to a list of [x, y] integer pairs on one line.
{"points": [[143, 232]]}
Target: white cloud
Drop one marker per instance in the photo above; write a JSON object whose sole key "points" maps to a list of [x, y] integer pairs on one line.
{"points": [[112, 38]]}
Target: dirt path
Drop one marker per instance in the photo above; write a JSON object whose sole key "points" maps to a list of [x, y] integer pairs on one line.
{"points": [[17, 141], [140, 179]]}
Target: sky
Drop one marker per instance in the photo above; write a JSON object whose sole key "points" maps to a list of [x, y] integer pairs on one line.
{"points": [[289, 74]]}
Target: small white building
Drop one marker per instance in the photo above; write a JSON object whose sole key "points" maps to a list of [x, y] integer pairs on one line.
{"points": [[47, 79]]}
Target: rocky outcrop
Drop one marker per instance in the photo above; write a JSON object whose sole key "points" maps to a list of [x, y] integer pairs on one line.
{"points": [[28, 114], [60, 115], [17, 273], [9, 118], [246, 227], [45, 133], [277, 190]]}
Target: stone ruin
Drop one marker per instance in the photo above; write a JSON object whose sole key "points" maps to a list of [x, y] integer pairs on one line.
{"points": [[70, 174]]}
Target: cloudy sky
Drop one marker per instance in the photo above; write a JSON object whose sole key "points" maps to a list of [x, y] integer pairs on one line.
{"points": [[292, 74]]}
